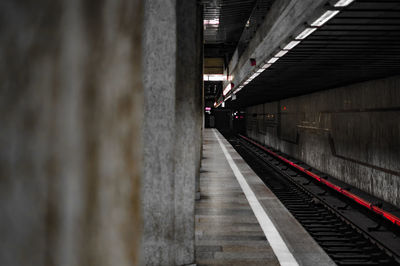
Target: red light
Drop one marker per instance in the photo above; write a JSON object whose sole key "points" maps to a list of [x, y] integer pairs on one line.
{"points": [[236, 117], [284, 108], [253, 62], [241, 116]]}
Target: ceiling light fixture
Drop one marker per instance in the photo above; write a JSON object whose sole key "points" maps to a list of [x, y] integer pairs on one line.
{"points": [[239, 89], [213, 77], [228, 88], [343, 3], [273, 60], [324, 18], [281, 53], [305, 33], [265, 66], [291, 45], [214, 21]]}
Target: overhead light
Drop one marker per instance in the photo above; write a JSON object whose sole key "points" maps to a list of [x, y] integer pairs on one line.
{"points": [[254, 75], [305, 33], [223, 104], [260, 70], [230, 95], [324, 18], [214, 77], [246, 82], [238, 89], [211, 21], [281, 53], [265, 66], [228, 88], [291, 45], [273, 60], [343, 3]]}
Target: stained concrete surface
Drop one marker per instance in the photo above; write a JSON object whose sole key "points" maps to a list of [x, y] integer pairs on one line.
{"points": [[171, 130], [71, 127], [227, 231], [351, 133], [70, 116], [158, 159]]}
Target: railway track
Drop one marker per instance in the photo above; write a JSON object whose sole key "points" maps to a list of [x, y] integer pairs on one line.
{"points": [[349, 234]]}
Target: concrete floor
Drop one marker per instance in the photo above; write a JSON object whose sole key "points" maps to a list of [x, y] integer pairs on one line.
{"points": [[227, 231]]}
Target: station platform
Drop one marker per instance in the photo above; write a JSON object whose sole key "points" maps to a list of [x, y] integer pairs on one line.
{"points": [[239, 221]]}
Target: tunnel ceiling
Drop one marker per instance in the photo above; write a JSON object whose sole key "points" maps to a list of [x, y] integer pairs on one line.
{"points": [[361, 43], [226, 24]]}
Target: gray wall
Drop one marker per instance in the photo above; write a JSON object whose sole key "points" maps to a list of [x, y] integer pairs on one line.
{"points": [[70, 116], [351, 133], [172, 130]]}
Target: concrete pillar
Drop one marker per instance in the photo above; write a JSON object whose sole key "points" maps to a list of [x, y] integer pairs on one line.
{"points": [[188, 109], [171, 132], [200, 96], [70, 116]]}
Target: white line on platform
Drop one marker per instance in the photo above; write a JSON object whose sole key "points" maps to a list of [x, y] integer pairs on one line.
{"points": [[285, 257]]}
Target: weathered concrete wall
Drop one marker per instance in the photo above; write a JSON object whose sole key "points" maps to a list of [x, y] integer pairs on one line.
{"points": [[351, 133], [200, 99], [70, 116], [172, 128], [282, 21]]}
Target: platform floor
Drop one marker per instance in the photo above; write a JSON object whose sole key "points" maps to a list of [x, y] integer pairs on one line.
{"points": [[227, 229]]}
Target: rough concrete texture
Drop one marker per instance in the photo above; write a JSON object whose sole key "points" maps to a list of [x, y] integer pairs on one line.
{"points": [[171, 132], [221, 190], [283, 20], [70, 105], [200, 114], [351, 133]]}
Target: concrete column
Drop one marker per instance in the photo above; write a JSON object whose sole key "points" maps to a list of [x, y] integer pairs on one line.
{"points": [[158, 208], [188, 109], [171, 133], [70, 116], [200, 95]]}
